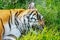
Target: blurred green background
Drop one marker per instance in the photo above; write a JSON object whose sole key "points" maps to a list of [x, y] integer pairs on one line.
{"points": [[50, 9]]}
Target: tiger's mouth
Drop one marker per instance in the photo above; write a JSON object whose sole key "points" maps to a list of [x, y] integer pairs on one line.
{"points": [[37, 27]]}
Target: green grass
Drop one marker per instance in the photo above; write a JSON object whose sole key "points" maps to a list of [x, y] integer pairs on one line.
{"points": [[51, 34]]}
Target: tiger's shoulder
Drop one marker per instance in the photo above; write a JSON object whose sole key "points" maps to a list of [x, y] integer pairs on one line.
{"points": [[4, 14]]}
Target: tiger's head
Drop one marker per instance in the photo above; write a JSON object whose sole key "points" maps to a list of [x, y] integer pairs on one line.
{"points": [[35, 19], [30, 18]]}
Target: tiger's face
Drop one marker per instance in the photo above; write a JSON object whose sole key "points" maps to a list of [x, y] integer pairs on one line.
{"points": [[35, 19], [30, 18]]}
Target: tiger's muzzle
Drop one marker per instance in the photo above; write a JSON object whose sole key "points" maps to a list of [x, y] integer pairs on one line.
{"points": [[39, 25]]}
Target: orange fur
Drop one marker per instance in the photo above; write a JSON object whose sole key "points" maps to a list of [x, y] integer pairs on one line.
{"points": [[1, 30], [4, 16]]}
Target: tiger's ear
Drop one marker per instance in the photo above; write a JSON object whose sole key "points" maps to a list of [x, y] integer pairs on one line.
{"points": [[31, 5]]}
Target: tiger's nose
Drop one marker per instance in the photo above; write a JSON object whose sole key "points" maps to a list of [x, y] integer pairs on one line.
{"points": [[41, 23]]}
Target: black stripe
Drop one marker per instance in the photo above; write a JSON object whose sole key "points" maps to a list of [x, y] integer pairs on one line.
{"points": [[6, 39], [28, 26], [10, 17], [28, 18], [12, 36], [31, 13], [38, 17], [16, 22], [36, 12], [9, 22], [16, 14], [2, 26], [24, 22], [28, 23]]}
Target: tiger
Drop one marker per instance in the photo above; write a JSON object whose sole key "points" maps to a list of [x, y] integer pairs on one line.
{"points": [[14, 22]]}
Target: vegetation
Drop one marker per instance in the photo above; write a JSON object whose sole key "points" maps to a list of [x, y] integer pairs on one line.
{"points": [[50, 9], [51, 34]]}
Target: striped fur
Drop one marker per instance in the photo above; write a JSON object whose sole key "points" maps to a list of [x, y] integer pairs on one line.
{"points": [[15, 22]]}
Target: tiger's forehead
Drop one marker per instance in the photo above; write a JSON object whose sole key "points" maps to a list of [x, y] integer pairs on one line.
{"points": [[28, 11]]}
